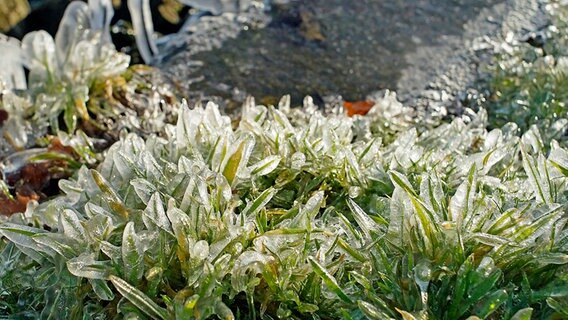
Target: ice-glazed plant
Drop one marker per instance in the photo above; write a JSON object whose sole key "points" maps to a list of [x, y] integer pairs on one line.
{"points": [[16, 130], [62, 74], [527, 83], [12, 75], [78, 81], [311, 218], [63, 69]]}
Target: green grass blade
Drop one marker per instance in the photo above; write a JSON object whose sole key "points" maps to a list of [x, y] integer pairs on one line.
{"points": [[138, 298], [329, 280]]}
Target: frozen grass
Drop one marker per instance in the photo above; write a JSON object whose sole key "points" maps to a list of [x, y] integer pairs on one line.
{"points": [[304, 220], [527, 84], [305, 214]]}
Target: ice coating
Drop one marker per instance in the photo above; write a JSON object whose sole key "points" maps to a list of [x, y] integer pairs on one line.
{"points": [[75, 21], [143, 28], [101, 13], [12, 64], [218, 6]]}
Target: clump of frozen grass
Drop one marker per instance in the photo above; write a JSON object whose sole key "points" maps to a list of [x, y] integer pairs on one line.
{"points": [[63, 69], [527, 83], [61, 72], [287, 218], [293, 215]]}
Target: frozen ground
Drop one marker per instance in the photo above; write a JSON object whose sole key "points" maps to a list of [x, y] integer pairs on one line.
{"points": [[426, 50]]}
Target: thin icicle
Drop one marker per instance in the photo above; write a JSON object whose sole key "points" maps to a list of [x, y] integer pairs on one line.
{"points": [[101, 13], [143, 28]]}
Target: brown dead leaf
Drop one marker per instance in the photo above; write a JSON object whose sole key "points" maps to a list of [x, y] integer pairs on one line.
{"points": [[358, 107]]}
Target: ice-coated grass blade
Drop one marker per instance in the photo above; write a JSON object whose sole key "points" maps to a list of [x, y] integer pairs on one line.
{"points": [[559, 305], [181, 225], [86, 266], [351, 251], [259, 203], [132, 254], [101, 13], [428, 221], [329, 280], [433, 195], [371, 312], [63, 245], [75, 20], [39, 54], [406, 315], [490, 239], [461, 204], [237, 158], [523, 314], [71, 225], [156, 214], [309, 211], [491, 303], [22, 236], [110, 195], [139, 299], [102, 289], [559, 159], [366, 224], [537, 170], [456, 308], [539, 225], [12, 66], [144, 189], [265, 166]]}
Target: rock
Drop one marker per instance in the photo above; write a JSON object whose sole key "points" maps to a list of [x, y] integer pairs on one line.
{"points": [[324, 47], [428, 51], [510, 21]]}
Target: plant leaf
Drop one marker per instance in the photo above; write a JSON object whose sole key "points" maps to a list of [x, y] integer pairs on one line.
{"points": [[265, 166], [132, 254], [155, 213], [86, 266], [523, 314], [69, 222], [329, 280], [138, 298], [237, 158]]}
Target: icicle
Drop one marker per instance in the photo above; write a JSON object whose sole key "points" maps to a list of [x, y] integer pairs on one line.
{"points": [[143, 28], [101, 13]]}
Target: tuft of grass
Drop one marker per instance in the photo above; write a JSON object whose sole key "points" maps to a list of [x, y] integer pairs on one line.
{"points": [[527, 83], [302, 214], [281, 219]]}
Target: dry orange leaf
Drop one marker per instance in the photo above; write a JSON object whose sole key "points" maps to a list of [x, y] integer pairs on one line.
{"points": [[358, 107], [35, 180]]}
